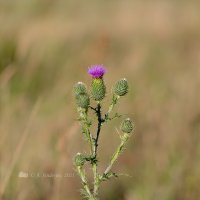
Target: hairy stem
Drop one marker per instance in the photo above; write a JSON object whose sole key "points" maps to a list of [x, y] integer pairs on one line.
{"points": [[89, 139], [85, 124], [117, 153], [94, 166], [84, 181], [98, 112], [115, 99], [96, 186]]}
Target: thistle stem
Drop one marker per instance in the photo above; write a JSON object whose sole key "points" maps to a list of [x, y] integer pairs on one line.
{"points": [[93, 108], [84, 180], [98, 112], [117, 153], [115, 99], [96, 185], [88, 134], [94, 165]]}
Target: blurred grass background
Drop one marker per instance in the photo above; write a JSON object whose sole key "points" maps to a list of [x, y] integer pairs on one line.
{"points": [[46, 47]]}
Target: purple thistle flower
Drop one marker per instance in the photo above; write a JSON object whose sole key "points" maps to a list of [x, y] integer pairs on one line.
{"points": [[96, 71]]}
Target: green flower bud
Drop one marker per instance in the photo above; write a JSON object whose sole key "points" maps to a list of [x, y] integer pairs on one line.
{"points": [[127, 126], [121, 87], [98, 89], [83, 101], [79, 160], [79, 88]]}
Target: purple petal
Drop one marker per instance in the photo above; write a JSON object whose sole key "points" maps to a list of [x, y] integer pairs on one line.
{"points": [[96, 71]]}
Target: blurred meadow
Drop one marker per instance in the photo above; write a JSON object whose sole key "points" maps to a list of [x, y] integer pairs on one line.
{"points": [[46, 47]]}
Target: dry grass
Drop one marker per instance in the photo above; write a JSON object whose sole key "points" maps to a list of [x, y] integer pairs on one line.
{"points": [[46, 46]]}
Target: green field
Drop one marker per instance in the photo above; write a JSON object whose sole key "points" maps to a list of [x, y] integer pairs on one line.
{"points": [[47, 46]]}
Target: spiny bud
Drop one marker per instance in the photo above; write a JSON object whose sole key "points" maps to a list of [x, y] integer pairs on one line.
{"points": [[79, 88], [83, 101], [79, 159], [121, 87], [98, 89], [127, 126]]}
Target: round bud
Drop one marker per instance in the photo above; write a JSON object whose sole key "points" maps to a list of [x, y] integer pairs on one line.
{"points": [[79, 159], [83, 101], [98, 89], [79, 88], [127, 126], [121, 87]]}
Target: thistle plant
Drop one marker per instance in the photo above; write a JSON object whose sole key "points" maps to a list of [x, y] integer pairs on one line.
{"points": [[83, 98]]}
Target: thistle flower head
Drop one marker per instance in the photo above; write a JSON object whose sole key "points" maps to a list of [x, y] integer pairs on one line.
{"points": [[79, 159], [121, 87], [79, 89], [127, 126], [83, 101], [97, 71], [98, 89]]}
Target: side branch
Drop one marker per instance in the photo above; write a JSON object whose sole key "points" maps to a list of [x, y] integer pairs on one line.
{"points": [[115, 99], [84, 181], [117, 153]]}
